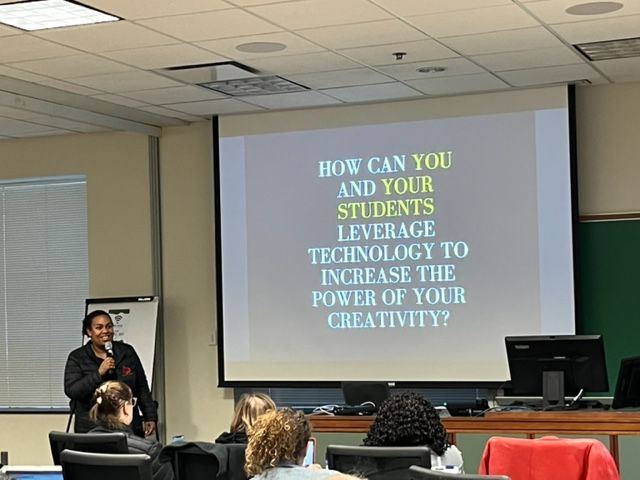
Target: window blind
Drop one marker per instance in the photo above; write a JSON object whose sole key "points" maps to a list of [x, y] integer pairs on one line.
{"points": [[43, 285]]}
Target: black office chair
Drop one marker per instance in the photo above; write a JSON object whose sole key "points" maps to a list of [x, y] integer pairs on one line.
{"points": [[87, 442], [235, 462], [377, 463], [196, 460], [105, 466], [421, 473]]}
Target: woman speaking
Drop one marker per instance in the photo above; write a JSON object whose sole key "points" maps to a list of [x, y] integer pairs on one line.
{"points": [[100, 360]]}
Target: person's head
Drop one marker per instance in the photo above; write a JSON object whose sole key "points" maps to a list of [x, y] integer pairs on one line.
{"points": [[98, 326], [405, 420], [112, 405], [248, 409], [277, 437]]}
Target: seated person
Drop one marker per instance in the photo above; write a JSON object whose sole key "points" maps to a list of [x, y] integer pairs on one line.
{"points": [[276, 449], [249, 407], [112, 410], [409, 420]]}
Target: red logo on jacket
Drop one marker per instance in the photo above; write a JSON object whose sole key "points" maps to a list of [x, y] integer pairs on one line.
{"points": [[126, 371]]}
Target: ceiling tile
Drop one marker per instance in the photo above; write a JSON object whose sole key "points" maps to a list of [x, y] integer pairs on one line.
{"points": [[479, 20], [555, 11], [363, 34], [292, 100], [367, 93], [504, 41], [227, 46], [163, 96], [542, 57], [311, 62], [150, 58], [424, 7], [211, 25], [126, 82], [19, 74], [340, 78], [69, 87], [459, 84], [72, 66], [106, 36], [172, 113], [127, 102], [249, 3], [135, 9], [15, 128], [383, 54], [620, 70], [320, 13], [25, 47], [47, 132], [408, 71], [598, 30], [214, 107], [549, 75], [6, 30]]}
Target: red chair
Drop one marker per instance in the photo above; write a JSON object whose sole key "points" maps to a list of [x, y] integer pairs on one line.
{"points": [[548, 458]]}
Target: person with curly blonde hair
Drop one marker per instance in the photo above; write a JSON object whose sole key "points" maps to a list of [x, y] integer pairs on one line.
{"points": [[248, 409], [277, 445]]}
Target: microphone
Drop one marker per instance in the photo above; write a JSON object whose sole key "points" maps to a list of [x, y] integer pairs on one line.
{"points": [[108, 346]]}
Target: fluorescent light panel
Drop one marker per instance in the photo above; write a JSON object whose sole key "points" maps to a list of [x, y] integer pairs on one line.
{"points": [[611, 49], [254, 86], [44, 14]]}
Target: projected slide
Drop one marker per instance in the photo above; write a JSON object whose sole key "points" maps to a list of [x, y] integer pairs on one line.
{"points": [[400, 251]]}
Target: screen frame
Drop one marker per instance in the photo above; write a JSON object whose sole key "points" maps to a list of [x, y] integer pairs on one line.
{"points": [[224, 382]]}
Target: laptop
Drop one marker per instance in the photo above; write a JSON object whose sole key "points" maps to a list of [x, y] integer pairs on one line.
{"points": [[16, 472]]}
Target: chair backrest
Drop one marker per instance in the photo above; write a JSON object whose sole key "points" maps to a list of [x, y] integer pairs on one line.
{"points": [[421, 473], [87, 442], [198, 460], [377, 463], [236, 461], [548, 457], [105, 466]]}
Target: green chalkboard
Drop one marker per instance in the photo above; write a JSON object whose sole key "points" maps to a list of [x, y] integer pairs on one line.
{"points": [[609, 293]]}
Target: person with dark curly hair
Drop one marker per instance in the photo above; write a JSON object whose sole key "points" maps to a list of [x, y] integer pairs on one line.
{"points": [[277, 445], [409, 420]]}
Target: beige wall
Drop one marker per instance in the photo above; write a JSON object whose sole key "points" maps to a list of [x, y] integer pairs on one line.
{"points": [[119, 233], [116, 166], [608, 148], [195, 407]]}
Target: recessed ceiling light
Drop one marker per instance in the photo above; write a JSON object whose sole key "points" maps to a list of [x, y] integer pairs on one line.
{"points": [[261, 47], [430, 69], [33, 15], [594, 8]]}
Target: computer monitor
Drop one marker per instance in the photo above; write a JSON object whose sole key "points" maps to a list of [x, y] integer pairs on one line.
{"points": [[627, 392], [552, 366], [13, 472], [359, 393], [377, 463]]}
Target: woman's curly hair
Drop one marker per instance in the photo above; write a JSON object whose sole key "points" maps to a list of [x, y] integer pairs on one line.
{"points": [[407, 419], [278, 436]]}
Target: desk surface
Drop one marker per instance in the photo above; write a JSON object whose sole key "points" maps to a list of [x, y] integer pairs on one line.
{"points": [[592, 422]]}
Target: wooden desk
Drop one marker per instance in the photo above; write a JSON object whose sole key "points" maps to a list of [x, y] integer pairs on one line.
{"points": [[531, 424]]}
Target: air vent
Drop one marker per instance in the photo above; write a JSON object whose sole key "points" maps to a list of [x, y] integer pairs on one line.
{"points": [[610, 49], [254, 86]]}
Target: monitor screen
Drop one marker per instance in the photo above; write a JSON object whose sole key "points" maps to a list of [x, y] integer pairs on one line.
{"points": [[580, 359], [396, 242], [627, 392], [31, 473], [360, 393]]}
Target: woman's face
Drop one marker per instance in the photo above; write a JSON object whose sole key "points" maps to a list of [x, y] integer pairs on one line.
{"points": [[101, 331]]}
